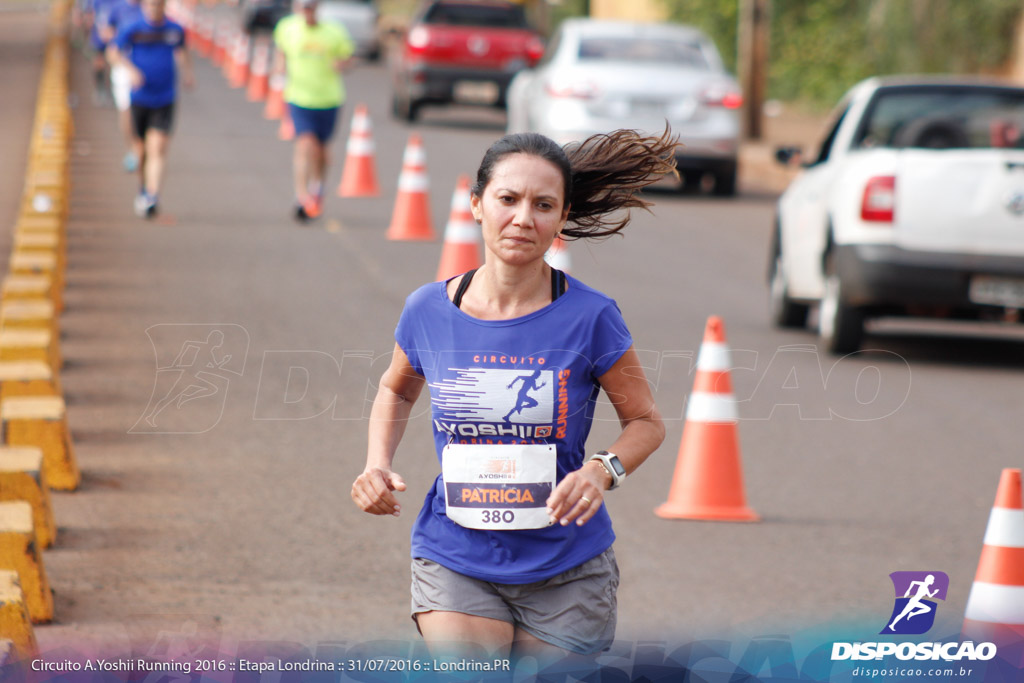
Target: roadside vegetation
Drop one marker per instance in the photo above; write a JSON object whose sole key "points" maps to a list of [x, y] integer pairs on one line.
{"points": [[819, 48]]}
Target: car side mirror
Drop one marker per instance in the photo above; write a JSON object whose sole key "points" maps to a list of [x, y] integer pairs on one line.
{"points": [[789, 156]]}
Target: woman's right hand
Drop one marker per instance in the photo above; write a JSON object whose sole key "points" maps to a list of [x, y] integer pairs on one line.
{"points": [[372, 491]]}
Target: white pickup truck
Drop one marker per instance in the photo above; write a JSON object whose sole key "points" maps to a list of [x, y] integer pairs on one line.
{"points": [[913, 206]]}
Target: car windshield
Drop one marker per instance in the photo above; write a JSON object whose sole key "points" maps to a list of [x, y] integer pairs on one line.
{"points": [[944, 118], [491, 16], [643, 50]]}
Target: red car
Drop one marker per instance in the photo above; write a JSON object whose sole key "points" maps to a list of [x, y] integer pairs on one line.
{"points": [[460, 51]]}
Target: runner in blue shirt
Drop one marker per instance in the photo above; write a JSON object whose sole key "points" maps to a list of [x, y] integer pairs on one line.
{"points": [[153, 50], [98, 12], [512, 548], [123, 13]]}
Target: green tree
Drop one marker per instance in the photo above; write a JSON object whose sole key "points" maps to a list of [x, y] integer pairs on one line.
{"points": [[819, 48]]}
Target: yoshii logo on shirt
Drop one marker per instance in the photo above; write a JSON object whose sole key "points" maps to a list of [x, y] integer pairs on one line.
{"points": [[496, 402]]}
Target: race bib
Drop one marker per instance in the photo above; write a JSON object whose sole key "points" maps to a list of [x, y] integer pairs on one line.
{"points": [[498, 486]]}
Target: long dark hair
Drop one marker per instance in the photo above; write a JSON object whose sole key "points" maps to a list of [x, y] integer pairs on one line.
{"points": [[602, 175]]}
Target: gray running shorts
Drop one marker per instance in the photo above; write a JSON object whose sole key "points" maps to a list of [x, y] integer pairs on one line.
{"points": [[575, 610]]}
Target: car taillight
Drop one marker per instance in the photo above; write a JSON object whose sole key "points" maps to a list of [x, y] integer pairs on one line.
{"points": [[879, 199], [534, 50], [418, 39], [733, 100], [579, 89], [722, 97]]}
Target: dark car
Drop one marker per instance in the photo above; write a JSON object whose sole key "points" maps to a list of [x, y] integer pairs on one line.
{"points": [[263, 15], [457, 51]]}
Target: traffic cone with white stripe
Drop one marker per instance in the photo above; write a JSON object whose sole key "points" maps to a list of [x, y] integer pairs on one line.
{"points": [[276, 106], [461, 251], [187, 19], [286, 131], [995, 606], [259, 75], [238, 68], [708, 480], [359, 178], [205, 37], [221, 41], [558, 256], [410, 219]]}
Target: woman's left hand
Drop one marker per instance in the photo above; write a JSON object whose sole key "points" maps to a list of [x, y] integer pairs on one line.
{"points": [[578, 497]]}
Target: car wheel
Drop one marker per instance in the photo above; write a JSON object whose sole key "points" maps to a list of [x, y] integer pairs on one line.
{"points": [[412, 111], [840, 325], [691, 181], [784, 311], [725, 184], [404, 108]]}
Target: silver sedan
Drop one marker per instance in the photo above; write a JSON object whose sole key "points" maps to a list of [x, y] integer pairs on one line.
{"points": [[597, 76]]}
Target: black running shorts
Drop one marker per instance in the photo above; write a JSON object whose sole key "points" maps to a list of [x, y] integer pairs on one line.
{"points": [[159, 118]]}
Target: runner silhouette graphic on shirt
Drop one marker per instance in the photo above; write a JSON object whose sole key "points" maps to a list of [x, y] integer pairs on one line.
{"points": [[914, 606], [190, 383], [524, 400]]}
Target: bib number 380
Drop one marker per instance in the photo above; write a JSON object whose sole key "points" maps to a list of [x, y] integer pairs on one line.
{"points": [[498, 516], [498, 486]]}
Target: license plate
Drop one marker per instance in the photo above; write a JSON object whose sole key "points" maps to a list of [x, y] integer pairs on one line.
{"points": [[997, 291], [475, 92], [648, 108]]}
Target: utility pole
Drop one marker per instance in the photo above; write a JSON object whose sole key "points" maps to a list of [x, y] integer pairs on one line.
{"points": [[752, 62]]}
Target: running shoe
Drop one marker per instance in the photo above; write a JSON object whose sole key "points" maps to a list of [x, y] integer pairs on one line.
{"points": [[300, 213], [145, 205], [130, 162], [313, 206]]}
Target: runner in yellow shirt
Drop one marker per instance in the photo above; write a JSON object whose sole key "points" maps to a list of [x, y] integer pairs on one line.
{"points": [[313, 54]]}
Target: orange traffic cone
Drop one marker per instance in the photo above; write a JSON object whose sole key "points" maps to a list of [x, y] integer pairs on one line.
{"points": [[995, 606], [238, 70], [359, 179], [411, 217], [708, 481], [221, 36], [230, 50], [205, 37], [259, 76], [558, 256], [188, 23], [275, 107], [286, 131], [461, 251]]}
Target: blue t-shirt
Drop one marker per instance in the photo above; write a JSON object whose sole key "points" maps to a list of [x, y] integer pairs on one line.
{"points": [[151, 48], [124, 13], [100, 17], [531, 379]]}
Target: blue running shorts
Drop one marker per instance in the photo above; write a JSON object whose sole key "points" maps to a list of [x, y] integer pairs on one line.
{"points": [[319, 122]]}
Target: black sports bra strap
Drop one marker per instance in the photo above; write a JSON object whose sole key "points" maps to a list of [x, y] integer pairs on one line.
{"points": [[558, 286], [557, 283], [463, 286]]}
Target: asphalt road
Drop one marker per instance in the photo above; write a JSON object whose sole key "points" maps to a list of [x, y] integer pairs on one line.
{"points": [[230, 513]]}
